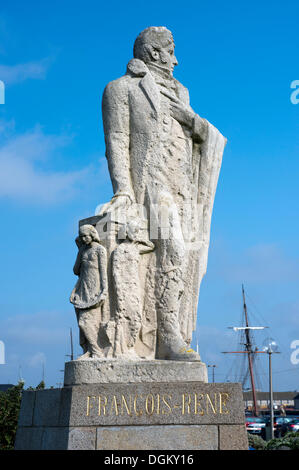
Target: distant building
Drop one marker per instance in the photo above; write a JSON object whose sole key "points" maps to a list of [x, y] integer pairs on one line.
{"points": [[285, 399], [5, 387]]}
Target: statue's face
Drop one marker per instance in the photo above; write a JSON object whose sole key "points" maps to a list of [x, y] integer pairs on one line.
{"points": [[86, 238], [168, 58]]}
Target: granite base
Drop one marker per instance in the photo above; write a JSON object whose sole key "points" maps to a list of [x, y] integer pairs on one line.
{"points": [[148, 416]]}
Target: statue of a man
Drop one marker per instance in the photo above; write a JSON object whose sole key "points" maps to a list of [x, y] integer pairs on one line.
{"points": [[164, 156]]}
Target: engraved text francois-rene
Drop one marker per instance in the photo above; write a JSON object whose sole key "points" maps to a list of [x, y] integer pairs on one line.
{"points": [[159, 404]]}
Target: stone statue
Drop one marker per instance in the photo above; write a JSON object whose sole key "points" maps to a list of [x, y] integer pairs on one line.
{"points": [[164, 162], [125, 270], [140, 263], [90, 291]]}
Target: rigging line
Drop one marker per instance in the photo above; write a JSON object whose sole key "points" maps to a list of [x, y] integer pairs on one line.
{"points": [[256, 308], [229, 373], [270, 329], [259, 378], [254, 317], [246, 376]]}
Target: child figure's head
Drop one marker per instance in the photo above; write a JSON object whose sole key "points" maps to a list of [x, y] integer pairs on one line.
{"points": [[133, 230], [88, 234]]}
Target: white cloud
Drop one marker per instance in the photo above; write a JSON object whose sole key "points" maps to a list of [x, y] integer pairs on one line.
{"points": [[40, 329], [12, 74], [32, 340], [22, 175]]}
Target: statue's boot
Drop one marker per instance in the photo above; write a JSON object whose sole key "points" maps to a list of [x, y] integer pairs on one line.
{"points": [[170, 344], [96, 353], [173, 348], [86, 355]]}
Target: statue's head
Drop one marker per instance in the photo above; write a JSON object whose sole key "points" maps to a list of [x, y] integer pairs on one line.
{"points": [[156, 45], [88, 234]]}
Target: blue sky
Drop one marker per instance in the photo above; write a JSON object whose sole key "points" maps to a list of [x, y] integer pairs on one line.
{"points": [[238, 60]]}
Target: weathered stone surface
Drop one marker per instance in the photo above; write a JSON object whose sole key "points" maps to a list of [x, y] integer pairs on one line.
{"points": [[157, 438], [47, 407], [169, 416], [65, 406], [233, 437], [94, 371], [90, 291], [82, 438], [164, 162], [26, 411], [55, 438], [156, 404], [29, 438]]}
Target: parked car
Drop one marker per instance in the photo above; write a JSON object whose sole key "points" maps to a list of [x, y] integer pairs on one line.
{"points": [[251, 419], [289, 426], [254, 425], [278, 423]]}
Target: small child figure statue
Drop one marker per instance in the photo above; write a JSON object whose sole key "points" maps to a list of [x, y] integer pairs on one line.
{"points": [[90, 290]]}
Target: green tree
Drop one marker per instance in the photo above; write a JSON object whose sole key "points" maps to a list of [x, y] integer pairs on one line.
{"points": [[10, 402], [256, 442], [289, 441]]}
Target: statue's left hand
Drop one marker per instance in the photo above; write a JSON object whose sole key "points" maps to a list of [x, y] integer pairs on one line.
{"points": [[181, 113], [122, 201]]}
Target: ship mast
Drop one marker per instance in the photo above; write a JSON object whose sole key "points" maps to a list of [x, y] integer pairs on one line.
{"points": [[248, 349], [248, 346]]}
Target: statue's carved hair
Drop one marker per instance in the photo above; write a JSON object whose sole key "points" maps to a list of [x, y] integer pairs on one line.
{"points": [[90, 230], [155, 37]]}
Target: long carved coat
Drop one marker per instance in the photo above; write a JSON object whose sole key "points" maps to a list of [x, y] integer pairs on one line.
{"points": [[151, 155]]}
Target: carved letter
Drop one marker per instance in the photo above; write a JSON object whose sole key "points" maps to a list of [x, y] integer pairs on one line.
{"points": [[158, 404], [184, 395], [89, 405], [137, 413], [197, 404], [223, 399], [152, 407], [114, 405], [167, 404], [212, 405], [123, 402], [102, 404]]}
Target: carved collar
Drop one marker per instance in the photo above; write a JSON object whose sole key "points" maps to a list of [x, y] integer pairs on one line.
{"points": [[138, 68]]}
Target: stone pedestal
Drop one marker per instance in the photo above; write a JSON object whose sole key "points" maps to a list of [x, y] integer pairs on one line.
{"points": [[91, 371], [145, 414]]}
